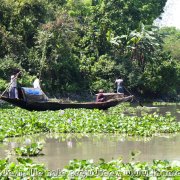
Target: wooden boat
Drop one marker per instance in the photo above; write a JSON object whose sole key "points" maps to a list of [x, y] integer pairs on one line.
{"points": [[39, 102]]}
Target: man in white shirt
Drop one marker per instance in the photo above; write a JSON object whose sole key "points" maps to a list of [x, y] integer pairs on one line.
{"points": [[119, 85], [13, 92], [36, 83]]}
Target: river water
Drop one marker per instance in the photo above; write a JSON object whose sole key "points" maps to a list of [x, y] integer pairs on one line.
{"points": [[59, 149]]}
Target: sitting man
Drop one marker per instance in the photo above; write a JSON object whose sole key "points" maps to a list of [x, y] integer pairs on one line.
{"points": [[100, 97]]}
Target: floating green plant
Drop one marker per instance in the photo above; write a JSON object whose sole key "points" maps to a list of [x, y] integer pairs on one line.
{"points": [[21, 122], [2, 137], [33, 149], [87, 169]]}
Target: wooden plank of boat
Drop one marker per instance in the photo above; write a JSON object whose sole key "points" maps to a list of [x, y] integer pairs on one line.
{"points": [[109, 96], [50, 105]]}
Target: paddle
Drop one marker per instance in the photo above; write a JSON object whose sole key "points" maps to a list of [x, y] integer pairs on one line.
{"points": [[134, 97]]}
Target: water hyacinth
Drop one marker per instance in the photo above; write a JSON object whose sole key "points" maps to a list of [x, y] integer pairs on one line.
{"points": [[2, 137], [69, 120], [33, 149], [61, 112], [86, 121], [28, 141], [87, 169]]}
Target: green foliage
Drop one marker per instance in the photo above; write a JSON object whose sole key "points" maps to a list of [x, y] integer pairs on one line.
{"points": [[55, 45], [171, 38], [156, 78], [23, 168], [117, 168], [2, 137], [33, 149], [3, 85], [8, 65], [26, 79], [87, 169], [123, 16], [10, 45], [21, 122], [84, 45], [102, 72], [171, 41]]}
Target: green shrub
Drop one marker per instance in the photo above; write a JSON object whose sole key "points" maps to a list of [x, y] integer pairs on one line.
{"points": [[33, 149], [3, 85]]}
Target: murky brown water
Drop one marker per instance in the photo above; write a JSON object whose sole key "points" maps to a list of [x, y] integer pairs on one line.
{"points": [[59, 149], [163, 109]]}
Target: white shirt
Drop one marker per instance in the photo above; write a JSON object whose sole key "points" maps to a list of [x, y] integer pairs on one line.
{"points": [[119, 82], [13, 81], [36, 83]]}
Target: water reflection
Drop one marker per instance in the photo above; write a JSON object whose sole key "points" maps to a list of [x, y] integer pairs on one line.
{"points": [[61, 148], [69, 144], [174, 110]]}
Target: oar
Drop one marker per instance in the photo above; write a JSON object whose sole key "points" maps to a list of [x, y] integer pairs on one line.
{"points": [[10, 84], [134, 97]]}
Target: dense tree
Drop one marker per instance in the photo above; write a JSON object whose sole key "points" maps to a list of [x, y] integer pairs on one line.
{"points": [[171, 39], [80, 45]]}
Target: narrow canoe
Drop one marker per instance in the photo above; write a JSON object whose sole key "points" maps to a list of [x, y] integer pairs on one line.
{"points": [[51, 105]]}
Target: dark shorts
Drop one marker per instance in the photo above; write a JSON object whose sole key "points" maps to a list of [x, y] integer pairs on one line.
{"points": [[120, 89], [12, 92]]}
